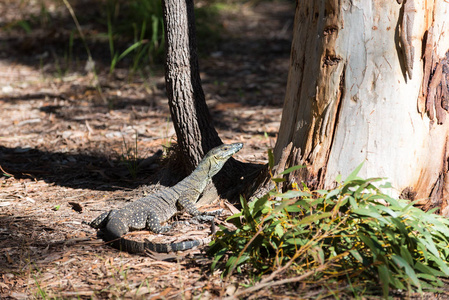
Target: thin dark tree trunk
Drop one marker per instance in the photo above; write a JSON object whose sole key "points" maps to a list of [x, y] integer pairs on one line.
{"points": [[191, 118]]}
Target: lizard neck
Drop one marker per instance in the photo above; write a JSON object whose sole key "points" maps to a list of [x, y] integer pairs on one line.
{"points": [[198, 179]]}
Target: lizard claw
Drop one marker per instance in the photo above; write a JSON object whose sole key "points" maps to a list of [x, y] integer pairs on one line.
{"points": [[208, 216], [194, 221], [204, 218], [216, 212], [180, 223]]}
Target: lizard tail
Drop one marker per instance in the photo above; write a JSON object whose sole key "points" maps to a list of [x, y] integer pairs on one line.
{"points": [[125, 245], [173, 247], [113, 233]]}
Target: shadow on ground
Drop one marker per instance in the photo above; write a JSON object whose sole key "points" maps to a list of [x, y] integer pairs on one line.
{"points": [[84, 171]]}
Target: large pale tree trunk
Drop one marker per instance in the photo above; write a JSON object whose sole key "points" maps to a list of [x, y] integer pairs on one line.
{"points": [[368, 82]]}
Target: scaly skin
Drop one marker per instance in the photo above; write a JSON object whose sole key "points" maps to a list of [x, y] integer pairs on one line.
{"points": [[149, 212]]}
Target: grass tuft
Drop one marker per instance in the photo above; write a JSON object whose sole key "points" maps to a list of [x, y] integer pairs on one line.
{"points": [[130, 156]]}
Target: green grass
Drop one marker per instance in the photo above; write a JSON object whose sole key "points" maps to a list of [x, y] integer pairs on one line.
{"points": [[339, 237], [140, 23]]}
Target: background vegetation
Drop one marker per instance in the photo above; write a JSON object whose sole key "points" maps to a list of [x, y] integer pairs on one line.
{"points": [[349, 240]]}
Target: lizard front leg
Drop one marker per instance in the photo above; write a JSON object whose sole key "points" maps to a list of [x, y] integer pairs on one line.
{"points": [[198, 215]]}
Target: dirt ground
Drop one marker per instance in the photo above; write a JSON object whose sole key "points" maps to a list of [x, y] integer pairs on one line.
{"points": [[67, 153]]}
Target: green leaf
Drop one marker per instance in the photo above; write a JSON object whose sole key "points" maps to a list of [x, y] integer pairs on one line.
{"points": [[294, 208], [235, 219], [114, 61], [322, 192], [371, 243], [25, 26], [247, 213], [384, 276], [402, 245], [259, 204], [290, 194], [426, 269], [405, 254], [279, 230], [128, 50], [408, 270], [368, 212], [217, 257], [295, 241], [353, 202], [341, 202], [354, 173], [442, 264], [314, 218], [356, 255], [333, 193], [338, 178], [291, 169], [386, 185], [277, 180]]}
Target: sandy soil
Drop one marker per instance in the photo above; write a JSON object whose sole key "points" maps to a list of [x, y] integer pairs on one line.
{"points": [[67, 153]]}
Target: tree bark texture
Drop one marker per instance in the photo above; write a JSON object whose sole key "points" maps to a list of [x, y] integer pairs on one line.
{"points": [[368, 82], [194, 128], [195, 132]]}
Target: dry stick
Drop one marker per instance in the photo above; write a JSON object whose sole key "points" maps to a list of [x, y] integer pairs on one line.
{"points": [[298, 253], [244, 249], [240, 255], [78, 27], [280, 282], [6, 173]]}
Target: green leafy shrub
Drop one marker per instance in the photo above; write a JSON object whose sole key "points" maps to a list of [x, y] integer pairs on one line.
{"points": [[353, 232]]}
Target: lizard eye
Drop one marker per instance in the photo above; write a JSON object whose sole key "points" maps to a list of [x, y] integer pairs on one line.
{"points": [[225, 148]]}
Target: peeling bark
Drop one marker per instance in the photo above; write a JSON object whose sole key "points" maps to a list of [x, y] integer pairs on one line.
{"points": [[408, 18], [427, 69], [310, 103], [436, 194], [434, 90]]}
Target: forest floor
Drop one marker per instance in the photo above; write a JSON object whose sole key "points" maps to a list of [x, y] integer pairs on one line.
{"points": [[69, 152]]}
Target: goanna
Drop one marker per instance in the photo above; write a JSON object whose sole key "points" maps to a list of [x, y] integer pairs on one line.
{"points": [[150, 211]]}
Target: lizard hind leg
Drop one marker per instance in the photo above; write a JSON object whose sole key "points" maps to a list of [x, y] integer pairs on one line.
{"points": [[207, 215], [154, 224], [101, 221], [198, 215], [216, 212]]}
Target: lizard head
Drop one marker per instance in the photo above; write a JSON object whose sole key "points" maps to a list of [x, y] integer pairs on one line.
{"points": [[219, 155]]}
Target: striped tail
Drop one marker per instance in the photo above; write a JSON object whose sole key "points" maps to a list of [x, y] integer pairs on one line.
{"points": [[173, 247], [123, 244]]}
